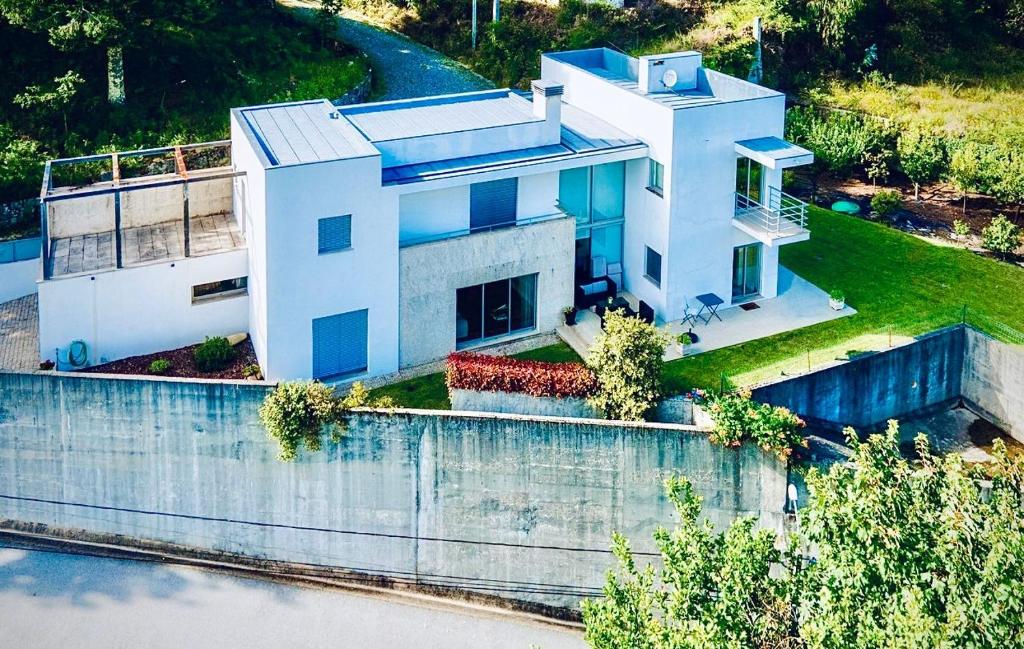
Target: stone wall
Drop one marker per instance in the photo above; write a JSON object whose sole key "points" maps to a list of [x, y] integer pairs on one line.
{"points": [[993, 382], [418, 493], [906, 381]]}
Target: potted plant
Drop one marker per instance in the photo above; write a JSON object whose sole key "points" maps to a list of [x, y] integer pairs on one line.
{"points": [[683, 341], [836, 299], [570, 315]]}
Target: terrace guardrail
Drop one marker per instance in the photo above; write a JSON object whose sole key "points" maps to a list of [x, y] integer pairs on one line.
{"points": [[20, 250], [782, 215], [518, 223]]}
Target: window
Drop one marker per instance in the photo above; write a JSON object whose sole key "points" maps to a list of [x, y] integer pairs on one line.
{"points": [[656, 179], [493, 204], [339, 344], [221, 289], [652, 267], [334, 233], [749, 178], [494, 309]]}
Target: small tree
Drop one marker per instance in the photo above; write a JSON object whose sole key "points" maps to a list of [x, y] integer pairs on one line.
{"points": [[627, 360], [1001, 236], [922, 156], [52, 99], [886, 202], [327, 18]]}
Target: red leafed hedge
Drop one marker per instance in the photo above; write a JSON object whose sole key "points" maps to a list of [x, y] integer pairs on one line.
{"points": [[504, 374]]}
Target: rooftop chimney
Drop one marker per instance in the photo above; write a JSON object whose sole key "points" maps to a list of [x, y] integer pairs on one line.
{"points": [[547, 105]]}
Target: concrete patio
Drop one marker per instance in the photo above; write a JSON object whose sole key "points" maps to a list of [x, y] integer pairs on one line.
{"points": [[798, 304]]}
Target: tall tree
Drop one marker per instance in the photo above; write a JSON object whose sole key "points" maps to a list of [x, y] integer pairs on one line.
{"points": [[922, 156], [925, 553]]}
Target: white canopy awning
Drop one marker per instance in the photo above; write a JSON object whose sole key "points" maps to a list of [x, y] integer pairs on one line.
{"points": [[774, 152]]}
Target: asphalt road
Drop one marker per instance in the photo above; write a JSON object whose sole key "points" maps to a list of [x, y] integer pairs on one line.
{"points": [[52, 600], [402, 68]]}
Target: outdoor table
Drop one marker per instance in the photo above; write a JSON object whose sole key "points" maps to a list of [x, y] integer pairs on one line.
{"points": [[709, 302]]}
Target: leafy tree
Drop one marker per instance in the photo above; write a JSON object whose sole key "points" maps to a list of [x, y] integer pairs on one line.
{"points": [[627, 361], [21, 163], [838, 140], [1008, 173], [835, 18], [922, 156], [52, 99], [714, 590], [971, 168], [327, 17], [1001, 236], [925, 553]]}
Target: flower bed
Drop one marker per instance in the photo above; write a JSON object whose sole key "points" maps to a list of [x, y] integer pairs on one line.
{"points": [[466, 371]]}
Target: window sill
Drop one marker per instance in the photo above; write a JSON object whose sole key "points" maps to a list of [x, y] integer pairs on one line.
{"points": [[650, 279], [657, 192], [321, 253], [217, 297]]}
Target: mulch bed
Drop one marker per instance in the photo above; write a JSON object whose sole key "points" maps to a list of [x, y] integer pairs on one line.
{"points": [[182, 364]]}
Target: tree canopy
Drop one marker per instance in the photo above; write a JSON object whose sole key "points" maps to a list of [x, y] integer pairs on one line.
{"points": [[890, 553]]}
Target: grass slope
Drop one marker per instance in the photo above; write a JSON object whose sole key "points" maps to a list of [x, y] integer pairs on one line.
{"points": [[900, 285]]}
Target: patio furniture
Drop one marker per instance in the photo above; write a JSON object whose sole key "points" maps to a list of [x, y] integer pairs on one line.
{"points": [[615, 272], [688, 317], [646, 312], [594, 292], [709, 302], [617, 303]]}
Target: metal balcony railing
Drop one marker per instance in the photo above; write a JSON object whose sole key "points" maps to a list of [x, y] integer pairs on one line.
{"points": [[783, 215]]}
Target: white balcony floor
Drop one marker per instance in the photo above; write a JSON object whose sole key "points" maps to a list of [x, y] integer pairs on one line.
{"points": [[798, 304]]}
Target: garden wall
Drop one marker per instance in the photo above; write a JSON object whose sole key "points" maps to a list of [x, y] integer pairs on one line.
{"points": [[476, 497], [674, 411], [906, 381], [993, 382]]}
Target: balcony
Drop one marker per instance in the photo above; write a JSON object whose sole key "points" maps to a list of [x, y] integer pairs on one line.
{"points": [[782, 220]]}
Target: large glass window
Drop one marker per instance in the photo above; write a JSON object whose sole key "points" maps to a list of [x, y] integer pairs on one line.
{"points": [[609, 192], [749, 178], [495, 309], [574, 193], [746, 271]]}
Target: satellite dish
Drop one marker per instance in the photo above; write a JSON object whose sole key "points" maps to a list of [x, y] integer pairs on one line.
{"points": [[670, 78]]}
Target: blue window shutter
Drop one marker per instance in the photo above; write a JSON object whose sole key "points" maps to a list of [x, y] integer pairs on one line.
{"points": [[339, 344], [493, 203], [334, 233]]}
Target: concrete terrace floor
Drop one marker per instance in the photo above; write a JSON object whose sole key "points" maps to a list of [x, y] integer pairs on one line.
{"points": [[19, 334], [798, 304]]}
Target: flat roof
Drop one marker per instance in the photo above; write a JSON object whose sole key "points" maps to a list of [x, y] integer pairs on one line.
{"points": [[395, 120], [622, 70], [582, 134], [304, 132], [774, 152]]}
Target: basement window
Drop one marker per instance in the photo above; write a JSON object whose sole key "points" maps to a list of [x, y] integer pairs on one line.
{"points": [[225, 288]]}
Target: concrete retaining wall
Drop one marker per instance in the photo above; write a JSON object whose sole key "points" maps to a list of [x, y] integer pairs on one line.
{"points": [[906, 381], [670, 411], [508, 493], [993, 382]]}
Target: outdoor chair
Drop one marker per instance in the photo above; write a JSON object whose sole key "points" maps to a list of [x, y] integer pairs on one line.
{"points": [[689, 317]]}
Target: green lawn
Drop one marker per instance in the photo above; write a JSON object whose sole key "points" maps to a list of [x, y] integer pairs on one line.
{"points": [[900, 285]]}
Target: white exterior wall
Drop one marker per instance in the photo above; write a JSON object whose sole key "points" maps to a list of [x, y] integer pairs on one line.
{"points": [[433, 212], [537, 196], [249, 205], [431, 273], [701, 235], [302, 285], [18, 278], [140, 310]]}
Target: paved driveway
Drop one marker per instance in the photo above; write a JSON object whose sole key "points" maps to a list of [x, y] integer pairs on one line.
{"points": [[401, 67], [50, 600]]}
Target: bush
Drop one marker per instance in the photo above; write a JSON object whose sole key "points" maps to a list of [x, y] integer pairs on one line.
{"points": [[961, 229], [160, 366], [298, 413], [252, 371], [214, 354], [738, 417], [1001, 236], [886, 202], [627, 360], [467, 371]]}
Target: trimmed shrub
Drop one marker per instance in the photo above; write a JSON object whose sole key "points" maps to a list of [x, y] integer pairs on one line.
{"points": [[886, 202], [627, 360], [214, 354], [160, 366], [737, 417], [467, 371], [252, 371], [1001, 236]]}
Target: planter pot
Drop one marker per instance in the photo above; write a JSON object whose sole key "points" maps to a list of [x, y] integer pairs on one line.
{"points": [[570, 318], [837, 305]]}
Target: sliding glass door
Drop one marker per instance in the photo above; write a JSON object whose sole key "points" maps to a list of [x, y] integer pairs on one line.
{"points": [[495, 309], [746, 271], [750, 179]]}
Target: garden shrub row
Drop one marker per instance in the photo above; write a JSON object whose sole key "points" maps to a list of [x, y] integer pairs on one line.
{"points": [[468, 371]]}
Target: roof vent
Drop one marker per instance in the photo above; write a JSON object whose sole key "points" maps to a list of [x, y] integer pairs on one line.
{"points": [[334, 114]]}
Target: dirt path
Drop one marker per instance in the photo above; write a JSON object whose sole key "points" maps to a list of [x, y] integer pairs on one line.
{"points": [[402, 68]]}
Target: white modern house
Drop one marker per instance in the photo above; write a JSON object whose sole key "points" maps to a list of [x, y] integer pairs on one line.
{"points": [[355, 241]]}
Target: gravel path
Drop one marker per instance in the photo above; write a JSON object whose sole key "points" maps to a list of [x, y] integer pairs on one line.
{"points": [[402, 68]]}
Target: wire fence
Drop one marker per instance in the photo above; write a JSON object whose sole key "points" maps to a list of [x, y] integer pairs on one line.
{"points": [[812, 359]]}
